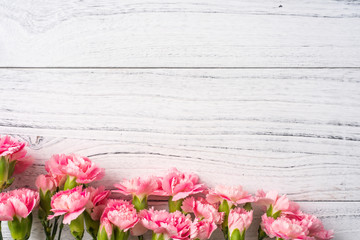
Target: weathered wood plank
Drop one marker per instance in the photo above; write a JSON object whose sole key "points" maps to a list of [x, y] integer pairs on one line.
{"points": [[294, 130], [344, 218], [188, 33]]}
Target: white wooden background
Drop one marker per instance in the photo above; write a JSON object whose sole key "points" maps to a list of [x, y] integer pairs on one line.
{"points": [[256, 92]]}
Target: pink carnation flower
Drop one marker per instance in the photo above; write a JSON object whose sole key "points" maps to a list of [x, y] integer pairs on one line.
{"points": [[202, 209], [6, 209], [122, 214], [23, 201], [314, 226], [279, 203], [97, 201], [180, 185], [284, 228], [45, 183], [172, 225], [202, 230], [14, 150], [140, 187], [239, 219], [70, 203], [76, 166], [234, 195]]}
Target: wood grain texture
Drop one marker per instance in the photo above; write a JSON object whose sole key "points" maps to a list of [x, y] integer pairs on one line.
{"points": [[344, 218], [215, 33], [294, 130]]}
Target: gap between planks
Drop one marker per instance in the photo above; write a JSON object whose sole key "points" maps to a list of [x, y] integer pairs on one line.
{"points": [[177, 68]]}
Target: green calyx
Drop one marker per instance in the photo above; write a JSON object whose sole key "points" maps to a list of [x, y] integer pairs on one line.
{"points": [[140, 203], [6, 171], [77, 227], [102, 235], [236, 235], [92, 226], [270, 213], [45, 203], [20, 228], [225, 208], [157, 236], [175, 205], [120, 234], [70, 183], [261, 234]]}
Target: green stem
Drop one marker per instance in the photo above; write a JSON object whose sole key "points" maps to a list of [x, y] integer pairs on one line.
{"points": [[55, 228], [60, 230], [1, 237]]}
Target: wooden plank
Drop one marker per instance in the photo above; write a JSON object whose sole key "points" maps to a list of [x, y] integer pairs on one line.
{"points": [[293, 130], [201, 33], [344, 218]]}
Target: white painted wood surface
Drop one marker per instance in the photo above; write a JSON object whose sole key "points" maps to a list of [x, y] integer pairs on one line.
{"points": [[240, 92], [157, 33]]}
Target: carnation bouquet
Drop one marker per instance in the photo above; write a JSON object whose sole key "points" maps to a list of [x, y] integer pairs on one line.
{"points": [[65, 198]]}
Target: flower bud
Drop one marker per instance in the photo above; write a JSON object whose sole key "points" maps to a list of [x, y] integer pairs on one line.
{"points": [[103, 235], [20, 228], [77, 227]]}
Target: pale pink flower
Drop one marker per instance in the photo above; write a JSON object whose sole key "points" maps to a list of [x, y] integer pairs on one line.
{"points": [[97, 201], [234, 195], [284, 228], [14, 150], [279, 203], [70, 203], [314, 225], [45, 183], [6, 209], [180, 185], [202, 229], [239, 219], [76, 166], [172, 225], [140, 187], [202, 209], [122, 214], [23, 201]]}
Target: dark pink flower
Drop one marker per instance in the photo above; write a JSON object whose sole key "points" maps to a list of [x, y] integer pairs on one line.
{"points": [[23, 201], [122, 214]]}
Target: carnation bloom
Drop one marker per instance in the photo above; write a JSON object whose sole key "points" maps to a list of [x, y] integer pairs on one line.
{"points": [[180, 185], [278, 203], [76, 166], [171, 225], [284, 228], [97, 201], [45, 183], [13, 150], [202, 229], [234, 195], [202, 209], [239, 219], [6, 209], [122, 214], [314, 226], [140, 187], [70, 203], [22, 201]]}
